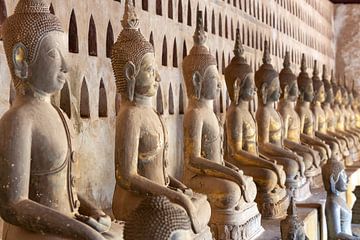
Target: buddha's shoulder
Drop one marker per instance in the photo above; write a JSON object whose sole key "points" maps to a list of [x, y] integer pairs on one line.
{"points": [[16, 116]]}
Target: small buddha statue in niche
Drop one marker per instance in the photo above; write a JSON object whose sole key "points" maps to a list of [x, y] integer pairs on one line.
{"points": [[320, 123], [291, 120], [306, 116], [230, 192], [270, 128], [38, 200], [141, 142], [338, 215], [242, 136]]}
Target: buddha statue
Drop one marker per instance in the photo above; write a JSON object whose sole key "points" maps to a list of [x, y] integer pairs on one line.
{"points": [[320, 123], [291, 121], [292, 228], [270, 129], [338, 215], [38, 199], [351, 110], [141, 143], [230, 192], [356, 105], [241, 130], [306, 116]]}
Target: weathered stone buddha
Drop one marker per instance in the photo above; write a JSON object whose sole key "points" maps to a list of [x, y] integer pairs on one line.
{"points": [[338, 215], [292, 228], [291, 121], [141, 142], [231, 194], [242, 137], [306, 116], [351, 110], [38, 200], [320, 122], [270, 128], [356, 106]]}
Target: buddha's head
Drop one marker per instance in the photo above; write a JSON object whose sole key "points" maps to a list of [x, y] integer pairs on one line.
{"points": [[288, 83], [157, 218], [344, 93], [305, 83], [267, 79], [336, 90], [334, 176], [199, 67], [329, 98], [133, 59], [355, 95], [239, 75], [319, 88], [35, 47], [292, 228]]}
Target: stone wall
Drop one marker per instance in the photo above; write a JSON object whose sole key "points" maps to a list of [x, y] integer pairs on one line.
{"points": [[347, 35], [89, 98]]}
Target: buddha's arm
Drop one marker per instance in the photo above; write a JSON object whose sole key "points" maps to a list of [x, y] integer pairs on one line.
{"points": [[332, 141], [341, 137], [315, 142], [176, 183], [334, 222], [296, 147], [15, 206]]}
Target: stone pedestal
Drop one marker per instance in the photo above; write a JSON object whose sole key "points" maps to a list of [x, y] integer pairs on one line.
{"points": [[303, 192], [242, 224]]}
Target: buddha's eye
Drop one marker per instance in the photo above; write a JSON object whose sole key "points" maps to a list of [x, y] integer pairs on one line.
{"points": [[53, 53]]}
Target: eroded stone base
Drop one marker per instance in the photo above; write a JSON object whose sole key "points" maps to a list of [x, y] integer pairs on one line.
{"points": [[242, 224]]}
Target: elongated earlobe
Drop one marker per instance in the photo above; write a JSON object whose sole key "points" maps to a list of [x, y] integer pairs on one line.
{"points": [[237, 87], [19, 57], [264, 93], [131, 79], [286, 92], [197, 79]]}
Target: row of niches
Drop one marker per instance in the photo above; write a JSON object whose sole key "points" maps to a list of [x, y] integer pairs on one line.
{"points": [[256, 9]]}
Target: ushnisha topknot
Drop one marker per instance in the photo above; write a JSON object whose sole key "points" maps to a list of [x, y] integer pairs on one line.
{"points": [[286, 76], [303, 78], [317, 82], [266, 72], [199, 58], [28, 25], [238, 68], [131, 46], [155, 218]]}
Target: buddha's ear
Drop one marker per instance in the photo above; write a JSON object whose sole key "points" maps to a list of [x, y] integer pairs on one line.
{"points": [[264, 91], [20, 56], [286, 91], [332, 183], [130, 74], [196, 80], [237, 86]]}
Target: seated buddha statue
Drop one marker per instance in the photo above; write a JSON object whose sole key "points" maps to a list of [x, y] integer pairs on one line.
{"points": [[270, 129], [338, 215], [351, 110], [320, 123], [141, 142], [231, 193], [291, 121], [38, 199], [355, 106], [306, 116], [241, 130]]}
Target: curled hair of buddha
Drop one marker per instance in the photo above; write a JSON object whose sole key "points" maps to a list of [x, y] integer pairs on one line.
{"points": [[317, 82], [331, 172], [286, 76], [266, 72], [303, 78], [131, 46], [29, 24], [238, 69], [155, 218], [199, 58]]}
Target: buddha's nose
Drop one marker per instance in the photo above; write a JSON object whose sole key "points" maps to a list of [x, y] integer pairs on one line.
{"points": [[157, 77]]}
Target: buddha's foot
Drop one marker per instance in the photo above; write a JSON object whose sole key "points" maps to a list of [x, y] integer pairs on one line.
{"points": [[236, 224]]}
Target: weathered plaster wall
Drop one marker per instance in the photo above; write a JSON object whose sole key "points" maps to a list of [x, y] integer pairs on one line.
{"points": [[300, 26], [347, 35]]}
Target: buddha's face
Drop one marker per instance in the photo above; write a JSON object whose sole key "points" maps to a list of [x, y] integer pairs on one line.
{"points": [[345, 98], [274, 90], [320, 95], [342, 183], [293, 91], [210, 83], [148, 78], [248, 89], [329, 95], [48, 71], [338, 97], [308, 93], [181, 235]]}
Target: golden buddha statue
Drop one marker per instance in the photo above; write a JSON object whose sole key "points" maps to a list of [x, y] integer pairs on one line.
{"points": [[350, 108], [355, 106], [306, 116], [242, 146], [291, 121], [141, 142], [231, 193], [38, 197], [270, 129]]}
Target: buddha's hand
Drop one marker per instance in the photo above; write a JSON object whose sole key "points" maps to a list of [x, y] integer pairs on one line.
{"points": [[242, 184], [279, 170], [99, 221], [184, 201]]}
